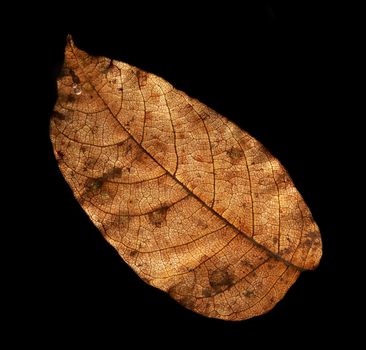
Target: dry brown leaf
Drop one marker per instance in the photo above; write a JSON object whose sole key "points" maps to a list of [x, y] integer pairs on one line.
{"points": [[196, 206]]}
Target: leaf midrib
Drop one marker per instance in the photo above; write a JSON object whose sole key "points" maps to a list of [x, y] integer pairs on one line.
{"points": [[210, 209]]}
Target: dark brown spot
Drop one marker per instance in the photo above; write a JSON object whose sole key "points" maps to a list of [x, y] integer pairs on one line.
{"points": [[141, 157], [96, 183], [203, 259], [158, 217], [188, 302], [154, 96], [220, 280], [123, 221], [107, 67], [202, 224], [204, 115], [114, 172], [235, 153], [74, 77], [285, 251], [133, 253], [207, 292], [113, 74], [111, 225], [90, 163], [307, 243], [271, 266], [117, 171], [60, 155], [58, 115], [247, 263], [282, 178], [265, 181], [313, 237], [183, 291], [184, 111], [148, 116], [128, 149], [70, 99], [92, 187], [142, 78], [261, 156]]}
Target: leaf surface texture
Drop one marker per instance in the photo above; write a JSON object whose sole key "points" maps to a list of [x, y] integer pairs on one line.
{"points": [[195, 205]]}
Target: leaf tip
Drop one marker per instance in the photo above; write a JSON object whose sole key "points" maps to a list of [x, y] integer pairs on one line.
{"points": [[69, 41]]}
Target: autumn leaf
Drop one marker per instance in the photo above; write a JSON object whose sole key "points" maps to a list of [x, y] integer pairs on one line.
{"points": [[195, 205]]}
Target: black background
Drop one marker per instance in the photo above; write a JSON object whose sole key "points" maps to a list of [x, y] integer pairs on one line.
{"points": [[265, 66]]}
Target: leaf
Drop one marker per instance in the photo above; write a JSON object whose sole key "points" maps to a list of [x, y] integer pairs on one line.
{"points": [[196, 206]]}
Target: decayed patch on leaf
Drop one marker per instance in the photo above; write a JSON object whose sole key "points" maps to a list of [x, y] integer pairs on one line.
{"points": [[195, 205]]}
